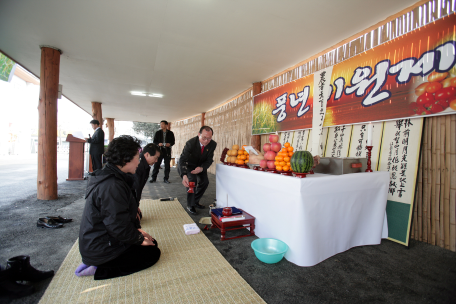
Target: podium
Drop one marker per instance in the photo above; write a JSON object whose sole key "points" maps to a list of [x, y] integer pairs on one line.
{"points": [[76, 161]]}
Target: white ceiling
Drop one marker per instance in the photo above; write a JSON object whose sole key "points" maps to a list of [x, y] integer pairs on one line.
{"points": [[197, 53]]}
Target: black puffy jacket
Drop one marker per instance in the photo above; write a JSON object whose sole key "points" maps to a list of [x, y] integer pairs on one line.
{"points": [[108, 222]]}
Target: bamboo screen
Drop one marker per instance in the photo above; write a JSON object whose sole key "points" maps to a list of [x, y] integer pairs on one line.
{"points": [[435, 207], [184, 130], [232, 124], [419, 16]]}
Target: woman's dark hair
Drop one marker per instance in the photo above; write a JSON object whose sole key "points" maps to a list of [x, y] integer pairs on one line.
{"points": [[207, 128], [151, 149], [122, 149]]}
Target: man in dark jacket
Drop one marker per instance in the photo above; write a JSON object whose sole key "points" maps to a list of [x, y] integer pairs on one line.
{"points": [[96, 149], [163, 138], [109, 240], [194, 161], [148, 157]]}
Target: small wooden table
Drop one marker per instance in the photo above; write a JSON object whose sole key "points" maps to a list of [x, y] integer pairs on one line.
{"points": [[249, 222]]}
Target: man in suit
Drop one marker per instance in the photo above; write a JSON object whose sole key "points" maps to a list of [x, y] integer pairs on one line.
{"points": [[164, 139], [194, 161], [96, 145]]}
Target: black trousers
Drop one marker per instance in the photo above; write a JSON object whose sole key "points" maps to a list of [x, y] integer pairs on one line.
{"points": [[157, 166], [96, 161], [202, 182], [134, 259]]}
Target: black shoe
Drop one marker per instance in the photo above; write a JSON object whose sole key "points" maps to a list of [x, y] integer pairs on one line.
{"points": [[199, 206], [153, 180], [166, 181], [8, 284], [48, 223], [192, 210], [23, 271], [59, 219]]}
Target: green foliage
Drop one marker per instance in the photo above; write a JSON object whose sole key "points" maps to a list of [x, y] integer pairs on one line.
{"points": [[263, 120], [147, 129], [6, 65]]}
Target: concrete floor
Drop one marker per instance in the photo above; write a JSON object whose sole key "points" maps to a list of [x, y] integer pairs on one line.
{"points": [[387, 273]]}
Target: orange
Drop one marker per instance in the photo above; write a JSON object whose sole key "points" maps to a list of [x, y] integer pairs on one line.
{"points": [[279, 158], [243, 157], [286, 168], [289, 164], [286, 158], [282, 163], [279, 168], [284, 150], [287, 144], [246, 161], [248, 156], [453, 104], [276, 163], [290, 154], [290, 149], [240, 162], [240, 152], [243, 147]]}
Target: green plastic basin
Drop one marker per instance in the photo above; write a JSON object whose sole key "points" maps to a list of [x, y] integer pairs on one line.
{"points": [[269, 251]]}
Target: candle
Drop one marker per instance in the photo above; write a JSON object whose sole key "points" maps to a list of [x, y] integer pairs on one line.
{"points": [[369, 134]]}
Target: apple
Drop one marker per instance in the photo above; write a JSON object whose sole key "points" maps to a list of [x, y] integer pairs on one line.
{"points": [[276, 147], [263, 163], [267, 147], [270, 155], [271, 164], [273, 138]]}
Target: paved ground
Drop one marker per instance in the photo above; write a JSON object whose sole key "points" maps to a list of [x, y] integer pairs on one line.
{"points": [[18, 175], [387, 273]]}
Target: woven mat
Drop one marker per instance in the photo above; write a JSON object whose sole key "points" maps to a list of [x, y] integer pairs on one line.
{"points": [[190, 269]]}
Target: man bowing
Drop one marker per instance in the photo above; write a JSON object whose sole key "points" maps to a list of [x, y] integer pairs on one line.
{"points": [[194, 161]]}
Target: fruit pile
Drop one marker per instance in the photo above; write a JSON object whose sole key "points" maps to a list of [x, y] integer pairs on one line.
{"points": [[435, 95], [237, 156], [275, 156]]}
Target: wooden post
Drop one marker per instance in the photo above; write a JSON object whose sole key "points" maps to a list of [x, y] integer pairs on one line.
{"points": [[96, 112], [110, 126], [169, 126], [47, 125], [255, 141], [203, 116]]}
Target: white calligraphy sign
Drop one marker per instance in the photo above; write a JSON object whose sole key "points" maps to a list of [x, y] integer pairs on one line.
{"points": [[359, 141]]}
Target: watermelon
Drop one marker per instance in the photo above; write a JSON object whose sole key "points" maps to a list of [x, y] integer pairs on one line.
{"points": [[301, 161]]}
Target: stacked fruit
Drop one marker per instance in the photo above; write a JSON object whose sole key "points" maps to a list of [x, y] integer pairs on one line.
{"points": [[282, 160], [435, 95], [237, 156], [270, 152]]}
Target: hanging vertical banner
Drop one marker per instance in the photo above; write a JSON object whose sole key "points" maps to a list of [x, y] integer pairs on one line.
{"points": [[286, 137], [338, 141], [300, 140], [359, 142], [412, 75], [400, 150], [321, 94]]}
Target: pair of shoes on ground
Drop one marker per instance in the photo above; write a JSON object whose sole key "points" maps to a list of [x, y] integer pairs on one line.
{"points": [[52, 222], [192, 209], [153, 180], [19, 269]]}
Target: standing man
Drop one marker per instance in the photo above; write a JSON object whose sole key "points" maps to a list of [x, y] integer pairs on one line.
{"points": [[163, 138], [96, 145], [194, 161]]}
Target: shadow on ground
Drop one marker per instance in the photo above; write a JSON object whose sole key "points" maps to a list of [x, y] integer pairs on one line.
{"points": [[387, 273]]}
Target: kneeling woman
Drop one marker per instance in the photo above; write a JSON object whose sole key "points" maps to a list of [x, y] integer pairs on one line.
{"points": [[110, 243]]}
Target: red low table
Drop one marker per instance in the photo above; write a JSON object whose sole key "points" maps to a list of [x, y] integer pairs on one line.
{"points": [[249, 221]]}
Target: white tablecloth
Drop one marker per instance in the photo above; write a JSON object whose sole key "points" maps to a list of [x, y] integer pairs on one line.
{"points": [[317, 217]]}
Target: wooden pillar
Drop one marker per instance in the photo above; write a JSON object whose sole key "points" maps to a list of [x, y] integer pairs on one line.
{"points": [[96, 112], [169, 126], [203, 115], [255, 141], [47, 123], [110, 126]]}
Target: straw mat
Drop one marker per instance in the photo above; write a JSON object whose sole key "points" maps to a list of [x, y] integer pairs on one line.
{"points": [[190, 269]]}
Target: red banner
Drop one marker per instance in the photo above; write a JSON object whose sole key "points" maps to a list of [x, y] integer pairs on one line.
{"points": [[412, 75]]}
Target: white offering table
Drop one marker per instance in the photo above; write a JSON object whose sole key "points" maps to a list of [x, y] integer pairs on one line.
{"points": [[317, 216]]}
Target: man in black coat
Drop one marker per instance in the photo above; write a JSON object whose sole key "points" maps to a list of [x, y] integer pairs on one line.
{"points": [[194, 161], [163, 138], [96, 149], [148, 157]]}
